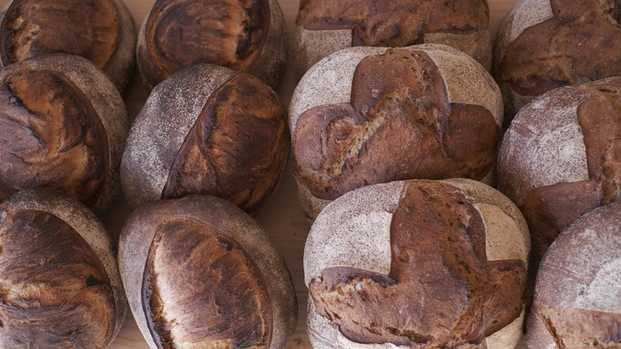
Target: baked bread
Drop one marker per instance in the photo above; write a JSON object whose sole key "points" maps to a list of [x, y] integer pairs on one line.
{"points": [[369, 115], [63, 125], [199, 272], [60, 283], [545, 44], [578, 295], [560, 158], [207, 130], [326, 26], [417, 264], [101, 31], [248, 36]]}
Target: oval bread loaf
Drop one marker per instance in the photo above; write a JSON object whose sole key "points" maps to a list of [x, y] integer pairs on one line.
{"points": [[60, 283], [367, 115], [324, 27], [545, 44], [63, 126], [417, 264], [577, 300], [207, 130], [560, 157], [199, 272], [101, 31], [248, 36]]}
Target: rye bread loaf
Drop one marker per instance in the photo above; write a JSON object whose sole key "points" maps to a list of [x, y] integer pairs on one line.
{"points": [[60, 283], [325, 26], [417, 264], [369, 115], [545, 44], [560, 158], [199, 272], [207, 130], [101, 31], [63, 125], [248, 36], [578, 294]]}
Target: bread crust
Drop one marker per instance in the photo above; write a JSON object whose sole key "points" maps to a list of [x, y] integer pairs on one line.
{"points": [[56, 207], [192, 120], [99, 30], [324, 27], [160, 55], [329, 88], [356, 232], [577, 294], [239, 230], [101, 97]]}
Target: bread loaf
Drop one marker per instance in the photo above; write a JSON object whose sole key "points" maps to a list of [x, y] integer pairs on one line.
{"points": [[60, 283], [248, 36], [325, 26], [207, 130], [545, 44], [63, 126], [560, 159], [199, 272], [369, 115], [578, 294], [417, 264], [101, 31]]}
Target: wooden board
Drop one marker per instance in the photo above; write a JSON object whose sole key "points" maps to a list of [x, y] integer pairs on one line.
{"points": [[282, 217]]}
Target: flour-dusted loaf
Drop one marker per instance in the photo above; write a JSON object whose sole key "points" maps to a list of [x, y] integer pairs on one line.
{"points": [[367, 115], [560, 158], [417, 264], [199, 272], [545, 44], [207, 130], [326, 26], [578, 294], [60, 283], [63, 125], [248, 36], [100, 30]]}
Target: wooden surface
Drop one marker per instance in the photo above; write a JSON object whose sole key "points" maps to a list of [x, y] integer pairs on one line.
{"points": [[282, 217]]}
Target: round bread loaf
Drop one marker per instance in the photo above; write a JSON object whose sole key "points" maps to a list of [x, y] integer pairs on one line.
{"points": [[417, 264], [63, 125], [560, 158], [60, 283], [248, 36], [367, 115], [578, 294], [325, 26], [101, 31], [207, 130], [545, 44], [199, 272]]}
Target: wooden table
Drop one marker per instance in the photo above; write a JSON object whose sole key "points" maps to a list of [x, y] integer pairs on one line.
{"points": [[281, 217]]}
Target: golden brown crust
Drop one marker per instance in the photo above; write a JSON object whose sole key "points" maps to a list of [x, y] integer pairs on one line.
{"points": [[431, 276], [203, 261], [226, 286], [58, 138], [55, 290], [398, 125], [393, 23], [98, 30], [545, 55], [236, 149]]}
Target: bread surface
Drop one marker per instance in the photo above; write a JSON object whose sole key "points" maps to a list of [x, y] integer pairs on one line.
{"points": [[67, 124], [195, 267], [369, 115], [417, 264], [59, 274]]}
